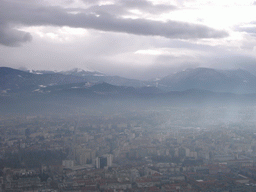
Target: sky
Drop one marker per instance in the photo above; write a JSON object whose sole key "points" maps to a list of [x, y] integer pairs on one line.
{"points": [[142, 39]]}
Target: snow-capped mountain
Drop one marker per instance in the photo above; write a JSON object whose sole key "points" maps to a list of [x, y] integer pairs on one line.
{"points": [[82, 72], [13, 80], [98, 77]]}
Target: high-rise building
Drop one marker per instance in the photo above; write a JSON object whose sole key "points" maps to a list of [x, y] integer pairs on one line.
{"points": [[84, 156], [109, 160], [104, 161]]}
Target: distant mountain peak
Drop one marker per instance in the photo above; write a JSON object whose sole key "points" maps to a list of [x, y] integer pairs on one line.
{"points": [[41, 72], [79, 70], [82, 72], [235, 81]]}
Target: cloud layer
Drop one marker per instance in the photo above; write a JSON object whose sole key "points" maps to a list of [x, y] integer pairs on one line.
{"points": [[103, 18]]}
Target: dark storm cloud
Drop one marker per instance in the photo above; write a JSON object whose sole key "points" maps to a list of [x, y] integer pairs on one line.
{"points": [[31, 14], [13, 37]]}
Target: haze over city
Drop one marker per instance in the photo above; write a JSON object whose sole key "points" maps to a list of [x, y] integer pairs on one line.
{"points": [[127, 96]]}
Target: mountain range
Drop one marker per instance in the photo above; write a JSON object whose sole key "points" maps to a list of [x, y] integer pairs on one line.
{"points": [[34, 91], [232, 81]]}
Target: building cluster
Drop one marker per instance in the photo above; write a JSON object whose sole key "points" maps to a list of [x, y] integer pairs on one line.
{"points": [[125, 154]]}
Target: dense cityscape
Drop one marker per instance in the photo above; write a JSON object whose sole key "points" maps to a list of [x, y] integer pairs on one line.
{"points": [[127, 96], [136, 151]]}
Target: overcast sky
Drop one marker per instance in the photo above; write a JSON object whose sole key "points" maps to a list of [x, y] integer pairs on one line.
{"points": [[132, 38]]}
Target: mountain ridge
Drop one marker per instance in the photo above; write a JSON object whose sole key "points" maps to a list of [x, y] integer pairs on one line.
{"points": [[69, 95], [233, 81]]}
